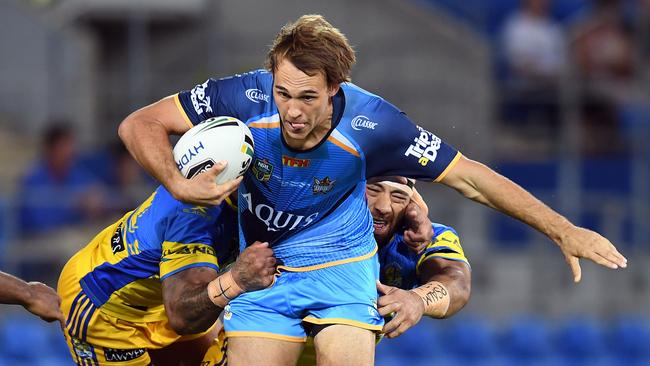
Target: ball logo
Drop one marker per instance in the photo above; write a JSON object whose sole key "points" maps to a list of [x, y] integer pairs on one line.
{"points": [[256, 96], [360, 122], [200, 168], [189, 155]]}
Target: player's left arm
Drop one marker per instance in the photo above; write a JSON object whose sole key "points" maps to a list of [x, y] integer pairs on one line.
{"points": [[445, 290], [481, 184]]}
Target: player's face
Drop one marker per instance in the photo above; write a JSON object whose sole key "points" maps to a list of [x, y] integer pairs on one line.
{"points": [[387, 205], [304, 104]]}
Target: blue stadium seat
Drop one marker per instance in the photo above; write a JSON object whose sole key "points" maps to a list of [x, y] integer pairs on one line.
{"points": [[471, 341], [580, 341], [26, 341], [629, 339], [526, 341], [418, 343]]}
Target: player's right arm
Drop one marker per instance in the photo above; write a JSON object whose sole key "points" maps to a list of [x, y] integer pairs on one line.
{"points": [[146, 132], [35, 297], [195, 297]]}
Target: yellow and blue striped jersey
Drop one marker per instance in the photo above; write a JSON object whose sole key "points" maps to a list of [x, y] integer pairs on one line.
{"points": [[399, 265], [125, 264]]}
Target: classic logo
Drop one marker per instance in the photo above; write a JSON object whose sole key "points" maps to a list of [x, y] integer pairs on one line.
{"points": [[256, 96], [425, 147], [117, 242], [322, 186], [295, 162], [200, 101], [121, 355], [262, 170], [360, 122], [189, 155], [275, 220]]}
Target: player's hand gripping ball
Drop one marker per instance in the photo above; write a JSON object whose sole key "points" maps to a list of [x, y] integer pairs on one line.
{"points": [[213, 140]]}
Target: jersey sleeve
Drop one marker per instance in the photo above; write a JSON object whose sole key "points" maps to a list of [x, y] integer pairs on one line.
{"points": [[405, 149], [188, 241], [445, 244], [238, 96]]}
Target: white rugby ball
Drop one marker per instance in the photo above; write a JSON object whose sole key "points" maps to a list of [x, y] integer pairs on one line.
{"points": [[213, 140]]}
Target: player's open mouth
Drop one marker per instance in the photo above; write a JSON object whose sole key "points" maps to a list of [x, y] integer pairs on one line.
{"points": [[379, 224]]}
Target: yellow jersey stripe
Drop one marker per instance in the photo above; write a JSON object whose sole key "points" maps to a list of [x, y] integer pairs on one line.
{"points": [[448, 168], [329, 264], [180, 109]]}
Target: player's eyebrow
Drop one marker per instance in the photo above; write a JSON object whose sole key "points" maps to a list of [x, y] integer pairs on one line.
{"points": [[301, 93]]}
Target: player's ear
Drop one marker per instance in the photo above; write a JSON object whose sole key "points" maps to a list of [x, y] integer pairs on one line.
{"points": [[332, 90]]}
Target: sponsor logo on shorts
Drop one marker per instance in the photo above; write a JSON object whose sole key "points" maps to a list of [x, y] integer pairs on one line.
{"points": [[360, 122], [256, 96], [117, 242], [82, 349], [200, 101], [227, 313], [121, 355], [322, 186], [262, 170], [425, 147], [295, 162]]}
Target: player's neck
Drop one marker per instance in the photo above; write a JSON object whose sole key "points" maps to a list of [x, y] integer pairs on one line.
{"points": [[314, 137]]}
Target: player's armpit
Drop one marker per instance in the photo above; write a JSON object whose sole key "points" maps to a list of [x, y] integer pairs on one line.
{"points": [[446, 286], [186, 300]]}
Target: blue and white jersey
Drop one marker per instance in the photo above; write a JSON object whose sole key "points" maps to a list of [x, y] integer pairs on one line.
{"points": [[310, 205], [400, 266]]}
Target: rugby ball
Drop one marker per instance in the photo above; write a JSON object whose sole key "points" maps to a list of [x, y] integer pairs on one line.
{"points": [[213, 140]]}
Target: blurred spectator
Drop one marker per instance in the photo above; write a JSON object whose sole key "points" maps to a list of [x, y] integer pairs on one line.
{"points": [[56, 191], [603, 51], [127, 184], [534, 53]]}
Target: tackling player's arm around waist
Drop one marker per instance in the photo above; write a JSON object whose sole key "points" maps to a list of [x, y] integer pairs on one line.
{"points": [[195, 297]]}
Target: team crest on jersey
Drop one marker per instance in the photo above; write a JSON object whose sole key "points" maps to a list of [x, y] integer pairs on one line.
{"points": [[322, 186], [82, 349], [262, 170], [392, 275], [295, 162]]}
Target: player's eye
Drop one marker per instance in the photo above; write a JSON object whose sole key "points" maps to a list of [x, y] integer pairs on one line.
{"points": [[398, 198], [308, 98]]}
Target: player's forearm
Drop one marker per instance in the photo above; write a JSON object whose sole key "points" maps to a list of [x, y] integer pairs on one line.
{"points": [[13, 290], [445, 293], [148, 143], [482, 184], [193, 312]]}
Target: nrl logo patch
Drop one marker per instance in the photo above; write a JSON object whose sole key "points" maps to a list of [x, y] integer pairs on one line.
{"points": [[262, 170], [322, 186]]}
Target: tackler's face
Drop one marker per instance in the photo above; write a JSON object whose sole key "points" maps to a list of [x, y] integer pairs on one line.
{"points": [[387, 201], [304, 104]]}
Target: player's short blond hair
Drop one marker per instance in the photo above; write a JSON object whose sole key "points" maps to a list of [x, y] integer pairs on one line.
{"points": [[313, 45]]}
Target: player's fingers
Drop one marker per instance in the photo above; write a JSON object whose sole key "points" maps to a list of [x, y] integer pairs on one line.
{"points": [[217, 168], [403, 327], [614, 256], [392, 325], [387, 309], [604, 261], [574, 264], [385, 289], [230, 186]]}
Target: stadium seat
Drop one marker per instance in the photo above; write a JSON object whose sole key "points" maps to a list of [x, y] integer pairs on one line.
{"points": [[630, 340], [26, 341], [470, 341], [419, 343], [580, 341], [526, 341]]}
